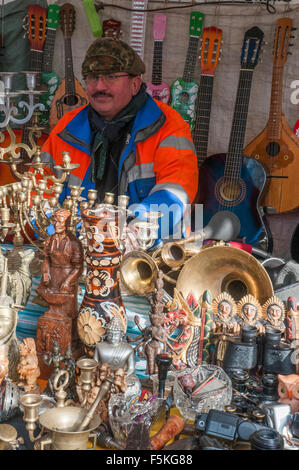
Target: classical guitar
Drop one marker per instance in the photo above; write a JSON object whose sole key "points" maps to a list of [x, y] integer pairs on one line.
{"points": [[276, 147], [156, 88], [37, 17], [233, 182], [70, 93], [184, 90], [49, 78], [210, 53]]}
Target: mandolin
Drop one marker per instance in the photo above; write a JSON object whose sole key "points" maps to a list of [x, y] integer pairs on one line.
{"points": [[184, 90], [157, 88], [276, 147], [70, 93], [37, 17], [210, 53], [233, 182]]}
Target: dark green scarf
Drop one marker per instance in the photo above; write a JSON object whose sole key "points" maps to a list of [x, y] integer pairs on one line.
{"points": [[105, 132]]}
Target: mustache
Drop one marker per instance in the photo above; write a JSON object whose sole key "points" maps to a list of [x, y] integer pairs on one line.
{"points": [[101, 93]]}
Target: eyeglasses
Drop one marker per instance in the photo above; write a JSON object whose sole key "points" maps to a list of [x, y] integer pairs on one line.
{"points": [[109, 78]]}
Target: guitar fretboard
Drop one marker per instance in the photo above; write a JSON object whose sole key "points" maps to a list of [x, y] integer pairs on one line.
{"points": [[234, 157], [69, 70], [274, 127], [191, 58], [48, 51], [157, 63], [138, 22], [203, 111]]}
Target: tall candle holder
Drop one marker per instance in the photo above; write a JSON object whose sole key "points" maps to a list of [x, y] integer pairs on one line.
{"points": [[9, 111]]}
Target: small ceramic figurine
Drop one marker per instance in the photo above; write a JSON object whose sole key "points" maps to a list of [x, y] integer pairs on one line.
{"points": [[118, 354], [28, 365], [225, 324], [288, 391], [274, 314], [249, 312]]}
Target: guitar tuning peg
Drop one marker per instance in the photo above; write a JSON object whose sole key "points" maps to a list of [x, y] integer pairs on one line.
{"points": [[291, 44], [293, 29], [290, 53]]}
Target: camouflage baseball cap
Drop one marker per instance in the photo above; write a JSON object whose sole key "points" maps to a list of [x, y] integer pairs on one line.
{"points": [[110, 55]]}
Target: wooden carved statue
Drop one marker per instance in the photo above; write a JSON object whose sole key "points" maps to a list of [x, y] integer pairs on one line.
{"points": [[61, 270], [28, 366]]}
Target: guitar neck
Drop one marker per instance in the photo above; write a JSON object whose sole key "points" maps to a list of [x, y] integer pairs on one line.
{"points": [[203, 111], [274, 122], [138, 22], [234, 158], [48, 51], [191, 59], [69, 69], [157, 63], [35, 64]]}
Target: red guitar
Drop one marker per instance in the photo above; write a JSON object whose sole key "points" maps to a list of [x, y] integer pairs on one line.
{"points": [[158, 89]]}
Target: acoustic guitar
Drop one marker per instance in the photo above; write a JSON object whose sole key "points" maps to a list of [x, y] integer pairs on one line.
{"points": [[49, 78], [157, 88], [37, 17], [184, 90], [70, 93], [233, 182], [210, 53], [276, 147]]}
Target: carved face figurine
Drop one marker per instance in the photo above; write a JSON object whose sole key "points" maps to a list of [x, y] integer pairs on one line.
{"points": [[249, 310], [224, 308], [274, 313], [288, 391]]}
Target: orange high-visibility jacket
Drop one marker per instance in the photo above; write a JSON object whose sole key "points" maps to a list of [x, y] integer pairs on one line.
{"points": [[158, 165]]}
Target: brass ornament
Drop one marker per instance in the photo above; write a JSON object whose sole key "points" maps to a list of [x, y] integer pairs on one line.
{"points": [[274, 302], [225, 269], [249, 299]]}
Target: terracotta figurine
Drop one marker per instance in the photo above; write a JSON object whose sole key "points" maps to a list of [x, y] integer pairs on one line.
{"points": [[28, 365]]}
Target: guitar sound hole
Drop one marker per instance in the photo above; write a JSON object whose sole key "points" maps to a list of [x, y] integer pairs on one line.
{"points": [[70, 100], [230, 191], [273, 149], [184, 97]]}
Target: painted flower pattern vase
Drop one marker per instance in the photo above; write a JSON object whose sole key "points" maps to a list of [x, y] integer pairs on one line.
{"points": [[102, 299]]}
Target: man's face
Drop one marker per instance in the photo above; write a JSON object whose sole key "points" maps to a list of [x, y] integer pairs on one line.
{"points": [[109, 97]]}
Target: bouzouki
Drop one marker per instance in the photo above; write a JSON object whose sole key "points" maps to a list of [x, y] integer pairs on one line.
{"points": [[184, 90], [49, 78], [37, 17], [157, 88], [70, 93], [233, 182], [210, 52], [276, 147]]}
